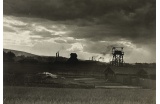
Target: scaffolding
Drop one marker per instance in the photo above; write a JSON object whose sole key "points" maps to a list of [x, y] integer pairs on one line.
{"points": [[117, 59]]}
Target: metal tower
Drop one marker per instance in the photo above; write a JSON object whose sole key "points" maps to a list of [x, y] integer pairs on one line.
{"points": [[117, 59]]}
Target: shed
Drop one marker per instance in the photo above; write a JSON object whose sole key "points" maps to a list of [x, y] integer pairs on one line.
{"points": [[109, 74], [151, 73], [125, 75], [149, 82]]}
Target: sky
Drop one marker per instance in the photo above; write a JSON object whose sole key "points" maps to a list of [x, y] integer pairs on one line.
{"points": [[86, 27]]}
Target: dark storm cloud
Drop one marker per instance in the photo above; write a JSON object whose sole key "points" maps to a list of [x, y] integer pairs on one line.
{"points": [[133, 21], [71, 9], [130, 19], [121, 12], [136, 34]]}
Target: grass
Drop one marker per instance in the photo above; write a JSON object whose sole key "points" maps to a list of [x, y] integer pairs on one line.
{"points": [[40, 95]]}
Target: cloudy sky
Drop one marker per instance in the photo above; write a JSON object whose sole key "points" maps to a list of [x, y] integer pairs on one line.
{"points": [[87, 27]]}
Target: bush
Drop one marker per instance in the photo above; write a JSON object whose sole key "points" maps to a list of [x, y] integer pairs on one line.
{"points": [[8, 56]]}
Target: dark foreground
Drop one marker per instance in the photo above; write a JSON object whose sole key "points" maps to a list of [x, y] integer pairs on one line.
{"points": [[41, 95]]}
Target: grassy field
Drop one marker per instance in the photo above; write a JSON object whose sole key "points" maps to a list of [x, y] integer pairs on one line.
{"points": [[39, 95]]}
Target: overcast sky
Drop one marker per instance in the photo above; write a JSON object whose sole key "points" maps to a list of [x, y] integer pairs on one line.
{"points": [[87, 27]]}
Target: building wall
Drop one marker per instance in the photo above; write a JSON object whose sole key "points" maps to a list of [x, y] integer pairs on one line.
{"points": [[124, 79], [119, 78], [147, 83], [111, 77], [127, 79], [135, 81]]}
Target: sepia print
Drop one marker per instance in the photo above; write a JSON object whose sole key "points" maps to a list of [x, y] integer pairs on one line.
{"points": [[79, 51]]}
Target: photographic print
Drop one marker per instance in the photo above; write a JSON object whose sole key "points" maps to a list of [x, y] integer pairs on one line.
{"points": [[79, 51]]}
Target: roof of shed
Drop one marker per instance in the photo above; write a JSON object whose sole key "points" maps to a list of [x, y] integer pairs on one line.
{"points": [[128, 70]]}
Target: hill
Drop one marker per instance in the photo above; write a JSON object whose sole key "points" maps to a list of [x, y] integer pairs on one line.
{"points": [[24, 57], [19, 53]]}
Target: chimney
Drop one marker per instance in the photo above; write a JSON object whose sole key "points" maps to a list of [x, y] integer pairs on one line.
{"points": [[58, 54]]}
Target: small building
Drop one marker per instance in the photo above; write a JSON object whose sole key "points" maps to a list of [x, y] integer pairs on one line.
{"points": [[73, 58], [150, 81], [151, 73], [109, 74], [125, 75]]}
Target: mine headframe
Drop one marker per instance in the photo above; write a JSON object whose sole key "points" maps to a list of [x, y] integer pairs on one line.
{"points": [[117, 59], [57, 56]]}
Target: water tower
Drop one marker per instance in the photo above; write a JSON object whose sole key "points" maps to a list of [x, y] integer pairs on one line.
{"points": [[117, 59]]}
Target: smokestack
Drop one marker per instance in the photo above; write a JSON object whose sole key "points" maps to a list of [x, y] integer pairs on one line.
{"points": [[58, 54]]}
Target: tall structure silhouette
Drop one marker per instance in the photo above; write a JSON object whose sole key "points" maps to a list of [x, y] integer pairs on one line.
{"points": [[57, 56], [117, 59]]}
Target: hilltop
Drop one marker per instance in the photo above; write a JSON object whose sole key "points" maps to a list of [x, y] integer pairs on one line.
{"points": [[19, 53]]}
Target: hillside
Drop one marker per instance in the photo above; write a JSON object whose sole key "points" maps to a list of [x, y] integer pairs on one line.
{"points": [[29, 57], [19, 53]]}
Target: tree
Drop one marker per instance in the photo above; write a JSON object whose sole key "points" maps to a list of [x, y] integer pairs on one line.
{"points": [[8, 56]]}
